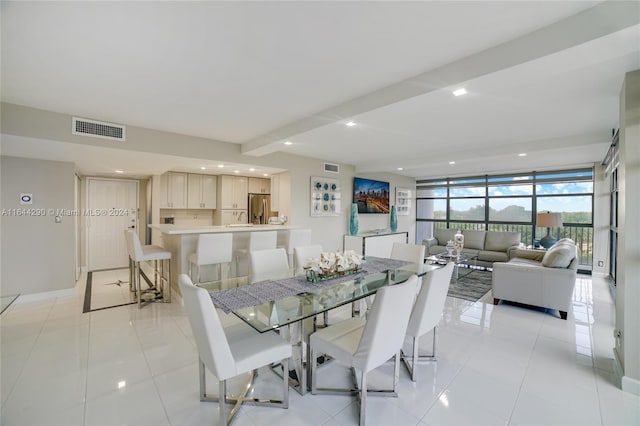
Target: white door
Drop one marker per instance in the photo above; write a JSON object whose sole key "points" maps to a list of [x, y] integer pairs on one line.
{"points": [[112, 207]]}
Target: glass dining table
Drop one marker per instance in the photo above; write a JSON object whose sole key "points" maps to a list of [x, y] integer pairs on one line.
{"points": [[295, 316]]}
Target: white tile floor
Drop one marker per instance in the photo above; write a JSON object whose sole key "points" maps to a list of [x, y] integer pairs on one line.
{"points": [[497, 365]]}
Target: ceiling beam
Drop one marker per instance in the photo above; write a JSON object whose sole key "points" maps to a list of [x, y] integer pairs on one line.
{"points": [[599, 21]]}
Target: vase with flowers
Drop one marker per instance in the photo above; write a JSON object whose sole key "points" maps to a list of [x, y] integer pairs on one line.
{"points": [[332, 265]]}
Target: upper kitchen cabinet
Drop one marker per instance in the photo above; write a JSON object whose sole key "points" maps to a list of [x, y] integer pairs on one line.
{"points": [[173, 190], [201, 191], [259, 186], [275, 193], [233, 192]]}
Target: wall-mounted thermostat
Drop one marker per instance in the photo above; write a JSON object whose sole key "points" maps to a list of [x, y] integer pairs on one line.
{"points": [[26, 198]]}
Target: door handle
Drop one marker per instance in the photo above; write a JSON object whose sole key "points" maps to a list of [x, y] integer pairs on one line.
{"points": [[132, 227]]}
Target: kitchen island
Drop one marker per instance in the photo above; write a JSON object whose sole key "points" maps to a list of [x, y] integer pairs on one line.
{"points": [[181, 241]]}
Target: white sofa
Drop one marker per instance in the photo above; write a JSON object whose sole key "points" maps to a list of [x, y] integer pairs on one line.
{"points": [[489, 246], [538, 278]]}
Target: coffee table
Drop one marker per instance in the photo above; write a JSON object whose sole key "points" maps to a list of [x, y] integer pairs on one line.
{"points": [[464, 260]]}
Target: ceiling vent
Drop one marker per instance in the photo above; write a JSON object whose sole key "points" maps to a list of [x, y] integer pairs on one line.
{"points": [[331, 168], [97, 129]]}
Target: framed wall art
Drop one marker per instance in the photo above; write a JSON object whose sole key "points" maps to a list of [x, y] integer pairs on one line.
{"points": [[325, 196], [403, 201]]}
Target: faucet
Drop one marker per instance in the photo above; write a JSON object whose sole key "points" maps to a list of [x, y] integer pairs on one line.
{"points": [[240, 215]]}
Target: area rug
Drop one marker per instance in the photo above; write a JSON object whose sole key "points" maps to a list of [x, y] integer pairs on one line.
{"points": [[107, 288], [470, 287]]}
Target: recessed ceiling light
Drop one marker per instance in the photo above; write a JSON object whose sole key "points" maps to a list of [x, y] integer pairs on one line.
{"points": [[522, 154], [350, 124], [119, 171], [265, 174], [452, 162], [236, 171], [288, 143], [203, 168], [459, 92], [122, 384], [220, 166], [252, 169], [400, 168]]}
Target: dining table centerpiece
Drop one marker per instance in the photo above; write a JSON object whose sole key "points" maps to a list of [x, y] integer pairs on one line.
{"points": [[333, 265]]}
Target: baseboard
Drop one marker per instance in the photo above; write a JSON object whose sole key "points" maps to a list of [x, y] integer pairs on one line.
{"points": [[626, 383], [631, 385], [47, 295], [599, 274]]}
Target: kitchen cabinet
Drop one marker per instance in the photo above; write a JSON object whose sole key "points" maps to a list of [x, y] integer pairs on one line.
{"points": [[275, 193], [232, 192], [173, 190], [201, 191], [259, 186]]}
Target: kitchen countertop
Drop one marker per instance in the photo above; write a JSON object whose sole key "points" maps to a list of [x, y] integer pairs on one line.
{"points": [[179, 230]]}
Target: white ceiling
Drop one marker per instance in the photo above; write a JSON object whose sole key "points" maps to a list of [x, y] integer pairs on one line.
{"points": [[543, 78]]}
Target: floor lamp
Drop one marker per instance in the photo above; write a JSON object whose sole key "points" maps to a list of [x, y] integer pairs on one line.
{"points": [[549, 220]]}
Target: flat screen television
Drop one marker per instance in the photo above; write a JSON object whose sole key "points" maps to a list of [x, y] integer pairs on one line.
{"points": [[372, 196]]}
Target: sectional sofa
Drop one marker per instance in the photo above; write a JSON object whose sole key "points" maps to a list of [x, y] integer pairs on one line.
{"points": [[489, 246]]}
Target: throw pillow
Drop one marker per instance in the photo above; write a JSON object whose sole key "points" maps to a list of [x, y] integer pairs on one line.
{"points": [[501, 241], [559, 255], [474, 239]]}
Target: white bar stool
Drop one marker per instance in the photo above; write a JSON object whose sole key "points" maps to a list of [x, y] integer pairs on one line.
{"points": [[139, 253], [212, 249], [258, 240]]}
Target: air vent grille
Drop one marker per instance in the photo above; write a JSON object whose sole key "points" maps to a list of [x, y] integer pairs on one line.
{"points": [[97, 129], [331, 168]]}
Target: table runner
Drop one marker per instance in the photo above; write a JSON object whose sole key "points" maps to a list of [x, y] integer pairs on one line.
{"points": [[232, 299]]}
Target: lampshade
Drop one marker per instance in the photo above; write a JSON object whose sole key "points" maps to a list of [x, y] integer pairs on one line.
{"points": [[549, 220]]}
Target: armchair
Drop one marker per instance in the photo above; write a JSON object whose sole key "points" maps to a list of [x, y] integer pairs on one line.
{"points": [[538, 278]]}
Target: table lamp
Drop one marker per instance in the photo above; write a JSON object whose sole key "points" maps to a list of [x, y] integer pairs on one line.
{"points": [[549, 220]]}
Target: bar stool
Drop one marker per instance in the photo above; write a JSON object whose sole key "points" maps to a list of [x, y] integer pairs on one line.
{"points": [[296, 238], [139, 253], [212, 249], [258, 240]]}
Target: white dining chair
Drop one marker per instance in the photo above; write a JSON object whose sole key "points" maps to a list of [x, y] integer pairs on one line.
{"points": [[413, 253], [211, 249], [302, 255], [296, 238], [410, 252], [268, 264], [403, 251], [273, 264], [227, 356], [366, 344], [258, 240], [426, 314], [160, 288]]}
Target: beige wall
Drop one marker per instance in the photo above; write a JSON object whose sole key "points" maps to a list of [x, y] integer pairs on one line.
{"points": [[38, 254], [627, 348], [295, 203]]}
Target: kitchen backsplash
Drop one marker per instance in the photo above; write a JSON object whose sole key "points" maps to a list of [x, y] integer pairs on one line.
{"points": [[202, 217]]}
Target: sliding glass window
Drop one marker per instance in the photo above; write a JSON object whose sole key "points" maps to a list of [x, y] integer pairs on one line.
{"points": [[511, 203]]}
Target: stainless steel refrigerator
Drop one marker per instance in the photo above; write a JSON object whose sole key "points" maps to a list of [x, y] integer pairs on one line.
{"points": [[259, 208]]}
